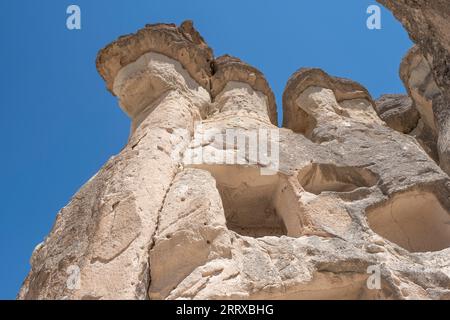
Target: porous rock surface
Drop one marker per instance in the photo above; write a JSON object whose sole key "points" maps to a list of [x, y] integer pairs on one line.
{"points": [[341, 194], [398, 111], [401, 114]]}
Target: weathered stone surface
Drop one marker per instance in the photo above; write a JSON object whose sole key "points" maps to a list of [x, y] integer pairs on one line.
{"points": [[108, 228], [428, 24], [227, 69], [398, 111], [415, 73], [184, 213], [183, 44], [344, 99], [426, 137]]}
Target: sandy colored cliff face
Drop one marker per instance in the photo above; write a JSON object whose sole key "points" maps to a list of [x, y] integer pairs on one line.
{"points": [[193, 209]]}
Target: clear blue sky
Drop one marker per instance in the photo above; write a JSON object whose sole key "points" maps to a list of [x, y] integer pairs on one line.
{"points": [[58, 124]]}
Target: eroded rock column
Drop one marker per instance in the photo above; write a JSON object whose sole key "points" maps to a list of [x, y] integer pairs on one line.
{"points": [[104, 235]]}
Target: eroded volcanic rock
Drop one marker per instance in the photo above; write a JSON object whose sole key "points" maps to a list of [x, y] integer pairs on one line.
{"points": [[428, 24], [171, 217], [398, 111]]}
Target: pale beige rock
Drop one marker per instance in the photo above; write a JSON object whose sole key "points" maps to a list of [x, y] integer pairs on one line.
{"points": [[192, 230], [344, 194], [416, 75], [401, 113], [230, 69]]}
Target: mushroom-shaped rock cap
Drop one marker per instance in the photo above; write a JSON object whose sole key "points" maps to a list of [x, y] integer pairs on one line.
{"points": [[344, 89], [183, 44], [227, 68]]}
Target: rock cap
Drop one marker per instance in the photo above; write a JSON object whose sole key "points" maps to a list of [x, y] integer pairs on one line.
{"points": [[344, 89], [182, 43], [227, 68]]}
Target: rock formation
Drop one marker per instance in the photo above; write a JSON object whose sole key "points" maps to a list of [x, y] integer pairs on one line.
{"points": [[398, 111], [426, 69], [209, 199]]}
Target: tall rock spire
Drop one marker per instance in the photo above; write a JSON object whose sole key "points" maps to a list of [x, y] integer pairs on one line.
{"points": [[161, 78]]}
